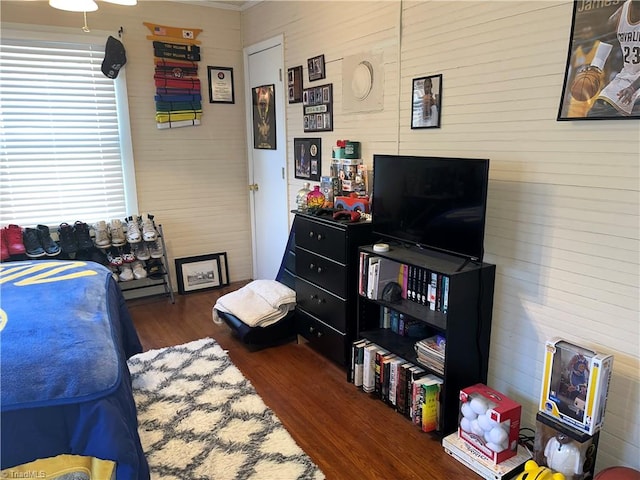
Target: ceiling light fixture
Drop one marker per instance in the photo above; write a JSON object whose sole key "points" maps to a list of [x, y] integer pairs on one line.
{"points": [[127, 3], [86, 5], [74, 5]]}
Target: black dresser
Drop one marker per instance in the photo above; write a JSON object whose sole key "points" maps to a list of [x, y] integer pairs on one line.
{"points": [[327, 265]]}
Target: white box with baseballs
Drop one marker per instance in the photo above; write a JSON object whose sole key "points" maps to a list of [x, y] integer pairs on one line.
{"points": [[490, 422]]}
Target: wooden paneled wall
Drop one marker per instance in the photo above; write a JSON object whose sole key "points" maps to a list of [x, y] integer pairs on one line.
{"points": [[563, 210]]}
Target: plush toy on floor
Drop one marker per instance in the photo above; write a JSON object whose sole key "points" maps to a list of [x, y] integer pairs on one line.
{"points": [[534, 472]]}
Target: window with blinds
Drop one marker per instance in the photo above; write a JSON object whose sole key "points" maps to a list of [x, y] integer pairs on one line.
{"points": [[61, 135]]}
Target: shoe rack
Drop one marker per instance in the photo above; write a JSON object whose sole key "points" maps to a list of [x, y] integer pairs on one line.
{"points": [[146, 287]]}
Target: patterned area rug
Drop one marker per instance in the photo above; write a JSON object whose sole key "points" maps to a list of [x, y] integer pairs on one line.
{"points": [[201, 419]]}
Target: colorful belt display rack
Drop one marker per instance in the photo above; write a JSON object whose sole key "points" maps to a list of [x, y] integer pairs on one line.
{"points": [[178, 95]]}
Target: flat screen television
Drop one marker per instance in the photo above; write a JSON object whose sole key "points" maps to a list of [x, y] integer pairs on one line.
{"points": [[431, 202]]}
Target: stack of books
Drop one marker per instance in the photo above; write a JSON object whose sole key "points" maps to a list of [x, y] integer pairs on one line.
{"points": [[430, 353], [408, 388]]}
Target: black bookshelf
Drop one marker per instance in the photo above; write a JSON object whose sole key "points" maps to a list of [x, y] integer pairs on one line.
{"points": [[466, 324]]}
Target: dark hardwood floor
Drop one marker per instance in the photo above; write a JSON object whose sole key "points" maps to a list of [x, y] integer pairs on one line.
{"points": [[347, 433]]}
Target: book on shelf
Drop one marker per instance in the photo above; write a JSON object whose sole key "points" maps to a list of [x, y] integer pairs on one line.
{"points": [[431, 404], [418, 395], [377, 372], [385, 317], [385, 376], [364, 270], [413, 373], [372, 278], [369, 367], [357, 362], [430, 352], [403, 279], [394, 379]]}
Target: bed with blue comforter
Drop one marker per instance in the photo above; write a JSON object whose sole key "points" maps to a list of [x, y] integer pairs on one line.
{"points": [[65, 337]]}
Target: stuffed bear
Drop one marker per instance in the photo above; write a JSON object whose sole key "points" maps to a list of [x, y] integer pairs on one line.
{"points": [[533, 472]]}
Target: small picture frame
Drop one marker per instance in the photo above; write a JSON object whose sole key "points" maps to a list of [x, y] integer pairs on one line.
{"points": [[221, 85], [318, 108], [308, 156], [199, 273], [294, 84], [316, 68], [426, 102]]}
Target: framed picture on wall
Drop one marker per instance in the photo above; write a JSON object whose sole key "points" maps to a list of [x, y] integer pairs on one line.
{"points": [[318, 108], [601, 76], [307, 156], [316, 68], [264, 117], [426, 101], [220, 85], [294, 84]]}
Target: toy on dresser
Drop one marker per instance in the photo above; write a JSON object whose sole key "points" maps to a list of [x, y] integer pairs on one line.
{"points": [[534, 471]]}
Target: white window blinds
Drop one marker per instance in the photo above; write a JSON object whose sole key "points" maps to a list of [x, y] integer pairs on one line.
{"points": [[60, 138]]}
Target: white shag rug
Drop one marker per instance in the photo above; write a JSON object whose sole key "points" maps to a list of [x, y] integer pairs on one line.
{"points": [[199, 418]]}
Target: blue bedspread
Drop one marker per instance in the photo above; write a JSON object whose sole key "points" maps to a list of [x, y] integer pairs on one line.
{"points": [[65, 337]]}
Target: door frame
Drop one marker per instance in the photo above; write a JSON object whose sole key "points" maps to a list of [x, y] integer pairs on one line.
{"points": [[246, 52]]}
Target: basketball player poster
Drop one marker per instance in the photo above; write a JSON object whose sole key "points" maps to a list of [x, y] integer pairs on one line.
{"points": [[264, 117], [602, 76]]}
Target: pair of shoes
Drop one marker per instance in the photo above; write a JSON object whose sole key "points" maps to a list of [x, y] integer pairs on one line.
{"points": [[101, 239], [155, 248], [12, 239], [138, 270], [126, 273], [114, 258], [74, 238], [141, 228], [133, 229], [141, 251], [38, 242], [116, 232], [149, 232], [155, 270], [4, 246]]}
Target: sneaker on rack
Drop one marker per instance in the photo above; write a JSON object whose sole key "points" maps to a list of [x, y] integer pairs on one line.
{"points": [[138, 270], [133, 230], [126, 273], [32, 245], [149, 232], [114, 258], [83, 236], [155, 270], [14, 240], [141, 251], [4, 245], [102, 239], [116, 230], [51, 248], [127, 254], [67, 239], [155, 248]]}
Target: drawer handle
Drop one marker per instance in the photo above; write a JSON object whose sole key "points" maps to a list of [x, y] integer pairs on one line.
{"points": [[312, 234], [315, 267], [315, 297], [317, 333]]}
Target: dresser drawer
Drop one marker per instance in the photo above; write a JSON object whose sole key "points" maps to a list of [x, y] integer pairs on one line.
{"points": [[322, 337], [326, 240], [321, 271], [322, 304]]}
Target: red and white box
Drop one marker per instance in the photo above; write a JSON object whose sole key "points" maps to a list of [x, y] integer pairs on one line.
{"points": [[490, 422]]}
